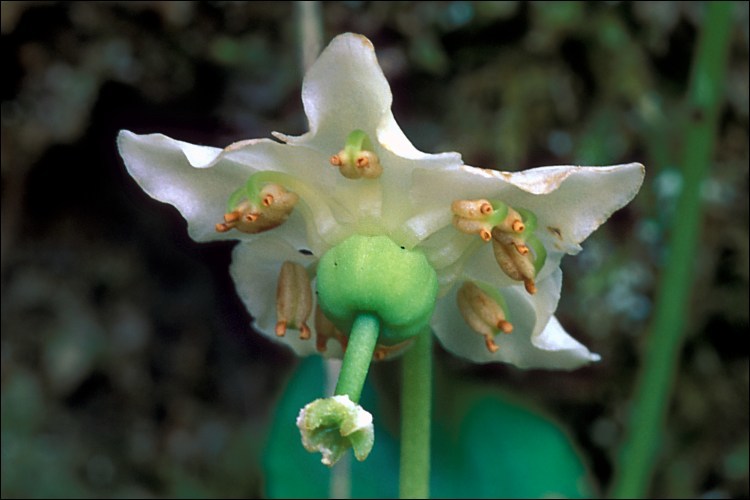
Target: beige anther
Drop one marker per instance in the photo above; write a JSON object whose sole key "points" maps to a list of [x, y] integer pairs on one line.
{"points": [[276, 204], [482, 313], [472, 209], [516, 263], [472, 226], [231, 216], [365, 164], [324, 330], [293, 300]]}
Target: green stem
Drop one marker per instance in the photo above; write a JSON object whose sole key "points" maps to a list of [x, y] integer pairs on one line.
{"points": [[663, 350], [416, 407], [358, 355]]}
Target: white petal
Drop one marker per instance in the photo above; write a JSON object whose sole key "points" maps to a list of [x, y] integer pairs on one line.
{"points": [[166, 170], [570, 202], [344, 90], [537, 340]]}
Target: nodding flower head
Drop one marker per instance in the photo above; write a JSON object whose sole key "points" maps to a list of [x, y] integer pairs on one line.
{"points": [[491, 241]]}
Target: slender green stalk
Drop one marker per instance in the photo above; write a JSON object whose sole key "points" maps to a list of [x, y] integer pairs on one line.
{"points": [[310, 31], [362, 341], [416, 408], [662, 352]]}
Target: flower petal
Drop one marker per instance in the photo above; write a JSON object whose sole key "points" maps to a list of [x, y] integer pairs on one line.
{"points": [[169, 171], [344, 90], [537, 340], [570, 202]]}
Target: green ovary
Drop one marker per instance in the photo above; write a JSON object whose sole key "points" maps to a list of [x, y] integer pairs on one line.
{"points": [[372, 274]]}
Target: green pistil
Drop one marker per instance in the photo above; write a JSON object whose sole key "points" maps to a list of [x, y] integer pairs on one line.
{"points": [[362, 341]]}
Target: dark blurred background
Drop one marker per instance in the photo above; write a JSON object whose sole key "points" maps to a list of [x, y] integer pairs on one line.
{"points": [[128, 364]]}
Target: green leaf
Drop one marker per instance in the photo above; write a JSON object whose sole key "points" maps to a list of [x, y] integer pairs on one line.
{"points": [[290, 470], [485, 445]]}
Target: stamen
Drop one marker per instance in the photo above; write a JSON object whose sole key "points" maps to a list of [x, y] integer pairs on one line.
{"points": [[521, 248], [231, 216], [511, 232], [490, 343], [472, 209], [324, 330], [382, 351], [269, 209], [281, 328], [357, 160], [293, 300], [473, 226], [514, 259], [483, 312]]}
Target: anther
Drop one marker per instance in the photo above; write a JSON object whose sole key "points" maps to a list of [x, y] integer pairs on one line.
{"points": [[293, 300], [521, 248], [324, 330], [252, 216], [471, 209], [514, 259], [517, 226], [357, 160], [484, 313]]}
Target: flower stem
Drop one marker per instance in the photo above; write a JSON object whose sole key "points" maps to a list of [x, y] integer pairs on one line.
{"points": [[358, 355], [651, 400], [416, 407]]}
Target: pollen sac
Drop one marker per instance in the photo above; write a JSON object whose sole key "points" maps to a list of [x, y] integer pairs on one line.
{"points": [[293, 300], [357, 160], [272, 207], [364, 164], [514, 258], [484, 313]]}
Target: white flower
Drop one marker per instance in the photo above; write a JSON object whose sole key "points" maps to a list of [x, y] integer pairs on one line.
{"points": [[484, 232]]}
